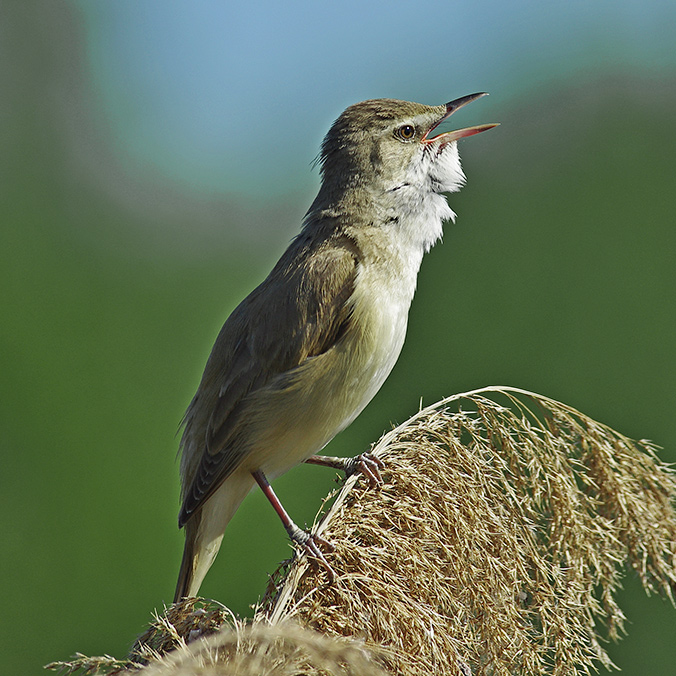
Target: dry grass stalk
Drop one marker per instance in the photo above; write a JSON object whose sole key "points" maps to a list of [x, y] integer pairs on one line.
{"points": [[494, 547]]}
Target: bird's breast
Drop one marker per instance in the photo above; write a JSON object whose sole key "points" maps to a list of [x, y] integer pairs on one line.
{"points": [[307, 407], [380, 306]]}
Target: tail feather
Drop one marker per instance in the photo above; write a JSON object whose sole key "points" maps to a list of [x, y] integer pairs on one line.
{"points": [[186, 574], [204, 532]]}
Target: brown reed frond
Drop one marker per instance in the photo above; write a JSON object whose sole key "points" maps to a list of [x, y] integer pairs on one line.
{"points": [[497, 541]]}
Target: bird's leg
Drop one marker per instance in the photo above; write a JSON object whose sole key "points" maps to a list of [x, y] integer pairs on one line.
{"points": [[366, 463], [309, 541]]}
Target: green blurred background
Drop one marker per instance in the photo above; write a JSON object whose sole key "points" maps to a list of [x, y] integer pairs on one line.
{"points": [[154, 162]]}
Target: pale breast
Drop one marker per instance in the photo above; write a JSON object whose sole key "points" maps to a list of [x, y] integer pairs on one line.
{"points": [[300, 413], [302, 410]]}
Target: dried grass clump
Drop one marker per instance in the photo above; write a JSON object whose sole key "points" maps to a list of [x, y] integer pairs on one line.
{"points": [[494, 547], [263, 650], [170, 648], [496, 542], [178, 625]]}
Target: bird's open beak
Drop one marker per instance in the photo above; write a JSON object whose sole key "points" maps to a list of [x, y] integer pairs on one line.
{"points": [[451, 107]]}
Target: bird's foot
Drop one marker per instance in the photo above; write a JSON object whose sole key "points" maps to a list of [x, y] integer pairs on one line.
{"points": [[366, 463], [369, 465], [310, 543]]}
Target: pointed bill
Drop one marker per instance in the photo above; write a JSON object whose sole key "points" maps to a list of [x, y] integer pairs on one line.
{"points": [[451, 107]]}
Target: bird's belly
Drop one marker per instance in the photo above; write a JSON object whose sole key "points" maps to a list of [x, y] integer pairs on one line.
{"points": [[300, 413]]}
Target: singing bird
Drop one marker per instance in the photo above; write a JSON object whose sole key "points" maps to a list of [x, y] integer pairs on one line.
{"points": [[304, 353]]}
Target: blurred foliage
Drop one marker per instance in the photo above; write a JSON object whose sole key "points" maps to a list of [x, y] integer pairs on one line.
{"points": [[558, 277]]}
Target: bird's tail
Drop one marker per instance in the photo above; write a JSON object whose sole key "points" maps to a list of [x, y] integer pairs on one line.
{"points": [[204, 532], [186, 575]]}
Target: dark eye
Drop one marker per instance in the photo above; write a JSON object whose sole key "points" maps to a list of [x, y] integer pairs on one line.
{"points": [[406, 132]]}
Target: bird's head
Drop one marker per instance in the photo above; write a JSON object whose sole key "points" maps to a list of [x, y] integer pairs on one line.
{"points": [[382, 145]]}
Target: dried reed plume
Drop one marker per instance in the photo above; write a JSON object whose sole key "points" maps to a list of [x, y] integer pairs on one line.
{"points": [[494, 547]]}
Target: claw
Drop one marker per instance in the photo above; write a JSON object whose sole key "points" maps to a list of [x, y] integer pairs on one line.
{"points": [[310, 543], [370, 467]]}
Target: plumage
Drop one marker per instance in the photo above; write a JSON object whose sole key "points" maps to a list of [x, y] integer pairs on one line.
{"points": [[304, 353], [278, 328]]}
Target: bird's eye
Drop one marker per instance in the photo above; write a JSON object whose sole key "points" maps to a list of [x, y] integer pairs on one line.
{"points": [[406, 132]]}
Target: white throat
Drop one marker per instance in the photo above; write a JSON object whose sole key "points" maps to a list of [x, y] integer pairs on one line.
{"points": [[417, 199]]}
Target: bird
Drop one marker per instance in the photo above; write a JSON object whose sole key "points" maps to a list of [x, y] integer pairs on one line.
{"points": [[302, 355]]}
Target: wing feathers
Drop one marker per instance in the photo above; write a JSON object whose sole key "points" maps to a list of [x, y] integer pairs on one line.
{"points": [[300, 311]]}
